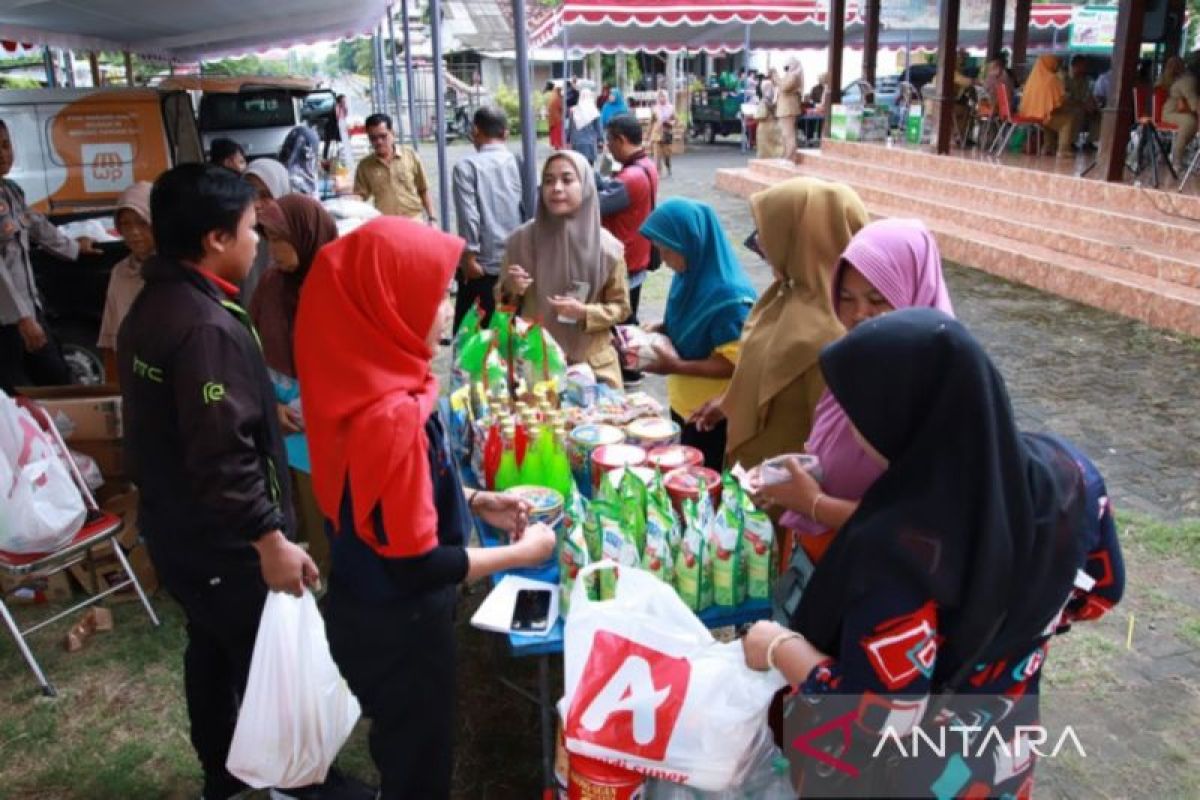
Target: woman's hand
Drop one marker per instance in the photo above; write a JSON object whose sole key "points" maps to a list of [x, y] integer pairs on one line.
{"points": [[536, 544], [517, 279], [756, 642], [666, 360], [568, 308], [501, 511], [290, 420], [709, 415], [653, 327], [796, 494]]}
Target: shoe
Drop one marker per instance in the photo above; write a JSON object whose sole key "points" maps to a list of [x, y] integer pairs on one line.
{"points": [[631, 377]]}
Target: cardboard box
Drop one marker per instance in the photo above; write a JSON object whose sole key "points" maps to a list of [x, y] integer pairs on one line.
{"points": [[31, 590], [82, 413], [109, 573], [122, 499]]}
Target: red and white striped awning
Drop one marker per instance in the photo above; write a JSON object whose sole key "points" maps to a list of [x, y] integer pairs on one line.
{"points": [[610, 26]]}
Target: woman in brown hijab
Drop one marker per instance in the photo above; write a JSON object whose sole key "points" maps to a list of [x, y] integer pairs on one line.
{"points": [[804, 224], [564, 270], [297, 226]]}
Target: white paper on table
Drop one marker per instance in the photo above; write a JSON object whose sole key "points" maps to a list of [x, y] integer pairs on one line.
{"points": [[496, 612]]}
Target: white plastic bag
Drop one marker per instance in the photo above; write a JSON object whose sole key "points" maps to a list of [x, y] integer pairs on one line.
{"points": [[298, 711], [649, 689], [41, 508]]}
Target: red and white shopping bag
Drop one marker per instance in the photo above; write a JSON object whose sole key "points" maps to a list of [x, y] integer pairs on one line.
{"points": [[649, 689]]}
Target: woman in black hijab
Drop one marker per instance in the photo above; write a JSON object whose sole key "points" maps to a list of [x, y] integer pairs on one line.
{"points": [[974, 547]]}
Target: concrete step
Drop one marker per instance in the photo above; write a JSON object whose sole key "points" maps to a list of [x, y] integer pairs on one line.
{"points": [[1052, 212], [1154, 301], [1018, 174], [1101, 246]]}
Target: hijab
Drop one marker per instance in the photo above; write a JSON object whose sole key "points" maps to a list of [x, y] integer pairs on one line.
{"points": [[273, 175], [615, 107], [900, 258], [559, 251], [136, 198], [804, 224], [710, 300], [664, 109], [365, 376], [304, 224], [1043, 89], [584, 112], [979, 519]]}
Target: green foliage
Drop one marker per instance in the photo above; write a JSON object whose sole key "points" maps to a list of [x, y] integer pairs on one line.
{"points": [[507, 98], [17, 82], [352, 57], [255, 65]]}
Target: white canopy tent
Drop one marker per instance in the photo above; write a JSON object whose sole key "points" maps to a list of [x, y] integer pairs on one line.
{"points": [[185, 30]]}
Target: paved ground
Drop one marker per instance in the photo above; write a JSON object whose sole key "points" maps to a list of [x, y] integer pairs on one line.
{"points": [[1129, 395]]}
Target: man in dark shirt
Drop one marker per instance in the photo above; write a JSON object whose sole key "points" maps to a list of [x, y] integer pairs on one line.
{"points": [[625, 203], [204, 447]]}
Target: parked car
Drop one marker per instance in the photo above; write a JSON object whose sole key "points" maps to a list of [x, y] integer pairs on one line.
{"points": [[75, 151]]}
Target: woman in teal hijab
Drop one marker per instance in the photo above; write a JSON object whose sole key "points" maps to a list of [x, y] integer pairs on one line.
{"points": [[709, 301], [614, 107]]}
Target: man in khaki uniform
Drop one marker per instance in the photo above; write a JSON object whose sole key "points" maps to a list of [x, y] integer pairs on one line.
{"points": [[392, 176], [788, 90]]}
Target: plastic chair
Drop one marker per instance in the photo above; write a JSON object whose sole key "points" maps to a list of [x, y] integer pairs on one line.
{"points": [[99, 527], [1010, 123]]}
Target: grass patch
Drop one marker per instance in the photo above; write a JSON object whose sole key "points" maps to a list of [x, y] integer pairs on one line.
{"points": [[1179, 539], [1189, 631]]}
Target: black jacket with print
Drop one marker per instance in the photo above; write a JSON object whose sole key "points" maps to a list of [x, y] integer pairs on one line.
{"points": [[202, 439]]}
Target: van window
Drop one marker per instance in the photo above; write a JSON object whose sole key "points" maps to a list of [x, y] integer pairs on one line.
{"points": [[255, 109]]}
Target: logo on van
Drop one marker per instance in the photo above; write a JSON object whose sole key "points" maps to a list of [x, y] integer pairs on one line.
{"points": [[107, 166]]}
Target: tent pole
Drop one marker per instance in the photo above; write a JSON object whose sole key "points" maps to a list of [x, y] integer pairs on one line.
{"points": [[94, 63], [439, 112], [395, 65], [566, 70], [528, 125], [1119, 113], [408, 73], [746, 64], [947, 58], [128, 69], [48, 63]]}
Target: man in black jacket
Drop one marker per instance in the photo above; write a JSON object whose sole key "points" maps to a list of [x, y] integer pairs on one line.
{"points": [[204, 447]]}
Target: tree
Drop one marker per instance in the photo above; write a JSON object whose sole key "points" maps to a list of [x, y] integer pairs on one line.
{"points": [[354, 56]]}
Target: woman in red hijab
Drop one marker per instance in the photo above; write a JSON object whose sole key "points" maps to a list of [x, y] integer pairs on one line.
{"points": [[371, 314]]}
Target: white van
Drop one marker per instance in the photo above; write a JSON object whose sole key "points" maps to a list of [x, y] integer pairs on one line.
{"points": [[75, 151]]}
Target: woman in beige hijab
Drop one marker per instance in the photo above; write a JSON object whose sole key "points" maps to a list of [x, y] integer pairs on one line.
{"points": [[564, 270], [804, 224]]}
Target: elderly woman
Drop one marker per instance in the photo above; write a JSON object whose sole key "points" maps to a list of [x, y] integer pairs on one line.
{"points": [[125, 282], [938, 599], [563, 269], [804, 224]]}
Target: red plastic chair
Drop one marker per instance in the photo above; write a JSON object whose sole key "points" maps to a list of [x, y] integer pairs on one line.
{"points": [[1010, 123], [98, 528]]}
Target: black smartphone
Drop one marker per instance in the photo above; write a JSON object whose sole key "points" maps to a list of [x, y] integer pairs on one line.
{"points": [[532, 611]]}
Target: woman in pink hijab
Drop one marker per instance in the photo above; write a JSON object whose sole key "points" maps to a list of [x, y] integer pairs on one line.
{"points": [[890, 264]]}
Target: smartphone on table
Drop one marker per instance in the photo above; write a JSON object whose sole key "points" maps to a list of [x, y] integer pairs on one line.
{"points": [[531, 614]]}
